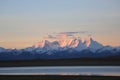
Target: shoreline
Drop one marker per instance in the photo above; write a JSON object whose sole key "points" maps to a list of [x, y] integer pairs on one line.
{"points": [[57, 77], [63, 62]]}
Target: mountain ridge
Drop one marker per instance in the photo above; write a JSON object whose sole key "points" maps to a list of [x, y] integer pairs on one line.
{"points": [[58, 49]]}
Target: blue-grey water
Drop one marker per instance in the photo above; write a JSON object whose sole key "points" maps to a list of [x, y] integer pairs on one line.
{"points": [[62, 70]]}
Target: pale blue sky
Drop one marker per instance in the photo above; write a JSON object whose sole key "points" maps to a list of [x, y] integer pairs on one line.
{"points": [[23, 22]]}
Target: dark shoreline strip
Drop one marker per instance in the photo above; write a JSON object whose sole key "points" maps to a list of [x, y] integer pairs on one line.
{"points": [[63, 62], [57, 77]]}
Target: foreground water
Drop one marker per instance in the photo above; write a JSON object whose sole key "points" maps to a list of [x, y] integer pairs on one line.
{"points": [[62, 70]]}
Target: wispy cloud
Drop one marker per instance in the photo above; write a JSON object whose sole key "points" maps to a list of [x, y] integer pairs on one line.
{"points": [[49, 37], [72, 33], [65, 35]]}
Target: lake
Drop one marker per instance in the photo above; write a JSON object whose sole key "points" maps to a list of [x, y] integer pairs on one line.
{"points": [[62, 70]]}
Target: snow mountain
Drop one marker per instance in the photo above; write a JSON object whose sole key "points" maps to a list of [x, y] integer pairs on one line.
{"points": [[74, 43], [61, 48]]}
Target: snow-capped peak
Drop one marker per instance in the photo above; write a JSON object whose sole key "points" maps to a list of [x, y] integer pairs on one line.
{"points": [[75, 43], [42, 44], [62, 48], [71, 43], [93, 45]]}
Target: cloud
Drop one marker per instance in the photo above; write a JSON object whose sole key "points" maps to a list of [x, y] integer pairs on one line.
{"points": [[68, 33], [57, 36], [72, 33], [65, 35], [61, 36], [48, 37]]}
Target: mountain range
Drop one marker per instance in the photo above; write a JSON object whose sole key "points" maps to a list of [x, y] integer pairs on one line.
{"points": [[61, 49]]}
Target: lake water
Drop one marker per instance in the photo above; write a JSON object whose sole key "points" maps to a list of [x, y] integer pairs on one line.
{"points": [[62, 70]]}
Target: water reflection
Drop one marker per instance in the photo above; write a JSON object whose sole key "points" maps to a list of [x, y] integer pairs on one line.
{"points": [[62, 70]]}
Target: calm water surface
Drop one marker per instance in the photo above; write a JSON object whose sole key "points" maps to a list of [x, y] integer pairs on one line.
{"points": [[62, 70]]}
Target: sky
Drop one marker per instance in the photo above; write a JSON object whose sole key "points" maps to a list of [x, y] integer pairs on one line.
{"points": [[25, 22]]}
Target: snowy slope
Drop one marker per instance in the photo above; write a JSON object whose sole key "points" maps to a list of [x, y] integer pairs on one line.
{"points": [[63, 48], [75, 43]]}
